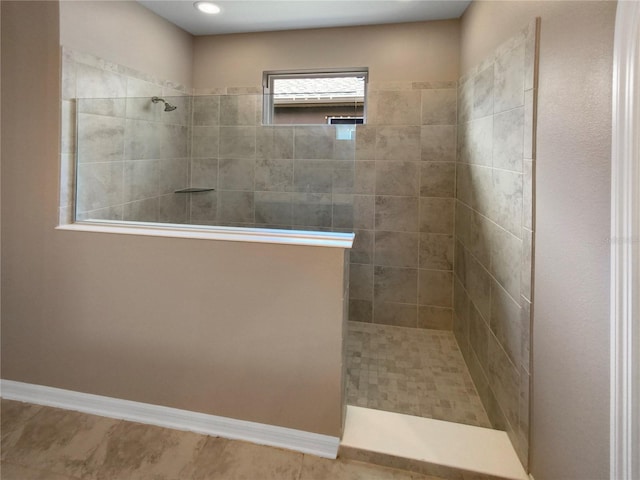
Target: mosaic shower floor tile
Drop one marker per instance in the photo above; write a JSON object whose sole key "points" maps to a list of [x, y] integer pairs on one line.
{"points": [[411, 371]]}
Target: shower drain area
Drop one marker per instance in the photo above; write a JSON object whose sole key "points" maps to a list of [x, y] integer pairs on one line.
{"points": [[411, 371]]}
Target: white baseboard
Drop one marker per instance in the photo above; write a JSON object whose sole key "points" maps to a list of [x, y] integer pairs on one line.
{"points": [[262, 434]]}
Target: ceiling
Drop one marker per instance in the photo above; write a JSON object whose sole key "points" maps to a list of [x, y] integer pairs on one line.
{"points": [[267, 15]]}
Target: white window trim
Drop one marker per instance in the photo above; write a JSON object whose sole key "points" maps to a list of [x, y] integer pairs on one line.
{"points": [[269, 75], [625, 247]]}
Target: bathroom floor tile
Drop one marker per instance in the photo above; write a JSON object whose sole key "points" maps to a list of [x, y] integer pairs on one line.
{"points": [[142, 452], [412, 371], [314, 468], [13, 417], [9, 471], [244, 461], [59, 441]]}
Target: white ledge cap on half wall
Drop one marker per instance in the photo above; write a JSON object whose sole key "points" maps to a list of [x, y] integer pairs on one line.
{"points": [[227, 234]]}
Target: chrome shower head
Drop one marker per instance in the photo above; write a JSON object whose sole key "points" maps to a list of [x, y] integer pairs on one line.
{"points": [[167, 106]]}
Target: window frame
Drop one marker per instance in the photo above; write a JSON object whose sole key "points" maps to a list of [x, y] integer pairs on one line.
{"points": [[269, 75]]}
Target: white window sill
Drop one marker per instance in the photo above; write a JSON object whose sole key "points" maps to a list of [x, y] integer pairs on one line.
{"points": [[226, 234]]}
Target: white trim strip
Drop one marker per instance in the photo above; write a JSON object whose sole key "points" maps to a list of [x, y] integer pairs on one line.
{"points": [[259, 433], [428, 445], [227, 234], [625, 247]]}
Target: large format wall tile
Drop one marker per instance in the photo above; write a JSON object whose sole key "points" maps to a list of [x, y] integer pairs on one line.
{"points": [[407, 151], [438, 143], [100, 185], [483, 93], [397, 178], [274, 208], [398, 143], [435, 318], [506, 323], [174, 141], [508, 128], [173, 174], [235, 207], [142, 140], [361, 281], [172, 209], [101, 84], [506, 206], [494, 230], [203, 208], [399, 285], [509, 79], [237, 142], [475, 143], [100, 138], [205, 142], [273, 175], [238, 109], [312, 210], [206, 110], [396, 249], [435, 287], [398, 214], [436, 251], [394, 107], [274, 143], [314, 143], [436, 215], [313, 176], [140, 179], [398, 314], [141, 210], [439, 107], [437, 179], [236, 174]]}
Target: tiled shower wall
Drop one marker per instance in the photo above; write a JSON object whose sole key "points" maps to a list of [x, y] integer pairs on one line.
{"points": [[398, 194], [132, 155], [285, 177], [494, 230], [402, 260]]}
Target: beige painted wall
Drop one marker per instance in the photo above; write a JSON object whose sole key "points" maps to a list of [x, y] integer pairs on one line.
{"points": [[192, 324], [126, 33], [570, 398], [426, 51]]}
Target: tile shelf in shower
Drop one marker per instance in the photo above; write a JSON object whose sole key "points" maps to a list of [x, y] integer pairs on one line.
{"points": [[194, 190]]}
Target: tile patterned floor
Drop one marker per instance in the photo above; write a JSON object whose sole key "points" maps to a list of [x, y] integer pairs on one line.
{"points": [[412, 371], [43, 443]]}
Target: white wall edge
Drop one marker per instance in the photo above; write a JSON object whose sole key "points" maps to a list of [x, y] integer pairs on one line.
{"points": [[625, 247], [227, 234], [259, 433]]}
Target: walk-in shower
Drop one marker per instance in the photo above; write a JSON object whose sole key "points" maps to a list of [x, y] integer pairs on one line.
{"points": [[436, 186], [211, 162]]}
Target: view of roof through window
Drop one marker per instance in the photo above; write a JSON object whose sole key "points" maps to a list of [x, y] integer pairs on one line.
{"points": [[318, 88]]}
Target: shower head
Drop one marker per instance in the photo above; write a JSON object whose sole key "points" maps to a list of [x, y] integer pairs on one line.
{"points": [[167, 106]]}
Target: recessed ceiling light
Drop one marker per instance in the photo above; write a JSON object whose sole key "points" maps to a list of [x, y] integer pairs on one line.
{"points": [[207, 7]]}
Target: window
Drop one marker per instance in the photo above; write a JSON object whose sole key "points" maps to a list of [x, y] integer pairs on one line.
{"points": [[315, 97]]}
